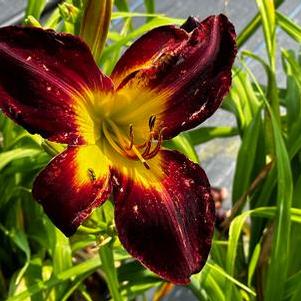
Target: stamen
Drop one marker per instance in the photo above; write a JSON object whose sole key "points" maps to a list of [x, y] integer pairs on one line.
{"points": [[151, 122], [137, 153], [149, 144], [112, 142], [122, 151], [158, 146], [126, 147], [131, 137]]}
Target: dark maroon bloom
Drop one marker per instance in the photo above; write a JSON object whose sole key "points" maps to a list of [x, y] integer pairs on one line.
{"points": [[169, 80]]}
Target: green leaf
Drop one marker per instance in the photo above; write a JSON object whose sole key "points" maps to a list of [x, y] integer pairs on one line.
{"points": [[86, 267], [289, 26], [33, 274], [244, 168], [252, 26], [34, 8], [231, 279], [150, 7], [278, 265], [292, 287], [204, 134], [294, 65], [128, 14], [19, 238], [19, 153], [236, 229], [293, 101], [295, 242], [244, 101], [293, 90], [62, 258], [211, 286], [268, 18], [54, 19], [107, 257], [32, 21], [122, 5], [248, 31], [136, 279], [253, 263], [271, 91], [183, 144]]}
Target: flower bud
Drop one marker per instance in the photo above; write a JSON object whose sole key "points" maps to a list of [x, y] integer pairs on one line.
{"points": [[95, 25]]}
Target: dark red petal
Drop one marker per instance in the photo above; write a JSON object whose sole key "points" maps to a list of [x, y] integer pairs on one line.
{"points": [[144, 51], [167, 225], [72, 185], [190, 24], [192, 69], [44, 79]]}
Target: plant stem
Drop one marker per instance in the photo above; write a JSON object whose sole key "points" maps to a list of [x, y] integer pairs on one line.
{"points": [[108, 266]]}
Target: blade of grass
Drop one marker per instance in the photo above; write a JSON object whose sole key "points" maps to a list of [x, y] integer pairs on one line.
{"points": [[244, 168], [121, 5], [88, 266], [107, 258], [62, 259], [230, 278], [293, 288], [278, 265], [150, 8], [183, 144], [128, 14], [54, 19], [252, 26], [268, 18], [253, 263], [34, 8], [19, 153], [289, 26], [292, 96], [204, 134], [236, 229], [212, 288]]}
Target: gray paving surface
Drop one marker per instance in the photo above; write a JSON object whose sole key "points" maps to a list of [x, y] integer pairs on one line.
{"points": [[218, 156], [12, 11]]}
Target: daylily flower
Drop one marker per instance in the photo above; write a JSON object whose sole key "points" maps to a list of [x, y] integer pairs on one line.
{"points": [[168, 81]]}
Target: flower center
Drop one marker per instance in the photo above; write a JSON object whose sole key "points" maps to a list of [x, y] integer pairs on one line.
{"points": [[126, 146]]}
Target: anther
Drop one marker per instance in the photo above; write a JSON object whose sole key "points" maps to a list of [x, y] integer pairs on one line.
{"points": [[151, 122], [131, 137], [146, 165], [126, 146], [158, 146]]}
